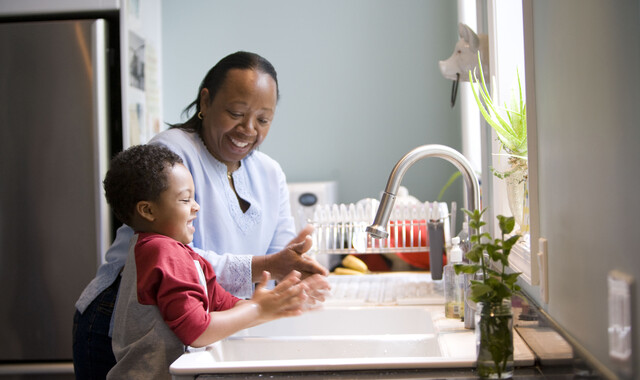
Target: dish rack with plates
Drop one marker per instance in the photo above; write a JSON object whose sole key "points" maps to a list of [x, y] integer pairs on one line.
{"points": [[341, 228]]}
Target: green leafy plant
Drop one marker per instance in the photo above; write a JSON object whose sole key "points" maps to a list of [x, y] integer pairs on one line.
{"points": [[496, 284], [489, 257], [510, 121]]}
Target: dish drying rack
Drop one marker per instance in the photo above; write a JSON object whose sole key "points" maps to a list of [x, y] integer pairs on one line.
{"points": [[341, 229]]}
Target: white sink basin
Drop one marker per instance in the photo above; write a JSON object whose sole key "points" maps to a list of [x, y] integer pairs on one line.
{"points": [[356, 320], [333, 338], [324, 347], [340, 338], [351, 332]]}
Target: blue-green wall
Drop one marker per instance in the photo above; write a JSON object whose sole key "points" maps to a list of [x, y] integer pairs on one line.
{"points": [[359, 81]]}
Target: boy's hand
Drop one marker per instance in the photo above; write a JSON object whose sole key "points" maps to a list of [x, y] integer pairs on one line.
{"points": [[317, 289], [287, 299]]}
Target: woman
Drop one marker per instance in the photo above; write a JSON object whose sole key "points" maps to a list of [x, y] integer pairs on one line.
{"points": [[245, 225]]}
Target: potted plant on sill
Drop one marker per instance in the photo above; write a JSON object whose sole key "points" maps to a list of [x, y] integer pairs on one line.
{"points": [[492, 291], [510, 124]]}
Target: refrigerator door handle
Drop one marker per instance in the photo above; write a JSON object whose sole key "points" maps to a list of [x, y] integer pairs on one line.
{"points": [[101, 140]]}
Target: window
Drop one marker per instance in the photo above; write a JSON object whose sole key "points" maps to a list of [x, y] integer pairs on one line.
{"points": [[507, 21]]}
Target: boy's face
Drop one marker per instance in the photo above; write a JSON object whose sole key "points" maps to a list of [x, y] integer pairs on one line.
{"points": [[176, 208]]}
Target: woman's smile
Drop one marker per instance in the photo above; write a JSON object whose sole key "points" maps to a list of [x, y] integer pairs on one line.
{"points": [[238, 143]]}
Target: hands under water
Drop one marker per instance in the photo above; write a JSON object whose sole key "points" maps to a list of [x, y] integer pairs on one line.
{"points": [[294, 257], [292, 296], [302, 282]]}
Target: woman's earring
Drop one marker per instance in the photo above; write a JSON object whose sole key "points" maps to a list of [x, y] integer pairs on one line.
{"points": [[199, 115]]}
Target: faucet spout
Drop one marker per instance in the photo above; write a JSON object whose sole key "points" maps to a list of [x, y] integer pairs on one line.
{"points": [[472, 189]]}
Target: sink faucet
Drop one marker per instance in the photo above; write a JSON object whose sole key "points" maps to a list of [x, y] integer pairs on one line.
{"points": [[472, 194]]}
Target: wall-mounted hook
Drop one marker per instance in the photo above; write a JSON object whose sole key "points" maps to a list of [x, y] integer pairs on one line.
{"points": [[465, 58]]}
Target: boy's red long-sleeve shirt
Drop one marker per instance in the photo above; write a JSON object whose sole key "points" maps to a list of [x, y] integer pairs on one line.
{"points": [[168, 277]]}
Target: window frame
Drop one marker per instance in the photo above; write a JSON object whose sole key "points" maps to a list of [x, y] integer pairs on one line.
{"points": [[505, 19]]}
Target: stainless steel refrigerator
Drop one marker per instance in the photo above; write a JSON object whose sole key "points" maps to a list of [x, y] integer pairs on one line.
{"points": [[59, 123]]}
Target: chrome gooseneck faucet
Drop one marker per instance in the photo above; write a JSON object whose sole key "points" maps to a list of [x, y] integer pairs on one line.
{"points": [[472, 196], [472, 189]]}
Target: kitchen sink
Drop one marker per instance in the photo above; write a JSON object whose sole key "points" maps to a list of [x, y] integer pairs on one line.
{"points": [[325, 347], [340, 338], [343, 321], [353, 332]]}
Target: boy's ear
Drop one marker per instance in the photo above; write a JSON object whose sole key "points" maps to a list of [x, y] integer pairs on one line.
{"points": [[145, 210]]}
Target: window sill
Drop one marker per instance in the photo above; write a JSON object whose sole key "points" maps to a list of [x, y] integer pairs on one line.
{"points": [[520, 261]]}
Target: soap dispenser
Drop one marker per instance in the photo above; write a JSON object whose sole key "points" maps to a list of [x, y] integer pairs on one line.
{"points": [[453, 283]]}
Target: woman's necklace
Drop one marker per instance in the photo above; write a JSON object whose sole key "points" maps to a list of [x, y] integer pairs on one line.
{"points": [[229, 175]]}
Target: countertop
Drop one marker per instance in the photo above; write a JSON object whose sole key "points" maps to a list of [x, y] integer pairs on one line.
{"points": [[551, 356], [536, 372], [554, 359]]}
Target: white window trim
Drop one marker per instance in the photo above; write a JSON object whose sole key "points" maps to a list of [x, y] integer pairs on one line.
{"points": [[506, 53]]}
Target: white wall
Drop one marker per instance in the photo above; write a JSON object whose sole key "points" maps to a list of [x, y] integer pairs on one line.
{"points": [[359, 81], [587, 70]]}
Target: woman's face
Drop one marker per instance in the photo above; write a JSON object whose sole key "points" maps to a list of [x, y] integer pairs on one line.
{"points": [[176, 208], [238, 118]]}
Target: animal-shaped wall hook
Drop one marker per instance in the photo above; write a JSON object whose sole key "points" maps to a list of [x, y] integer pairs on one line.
{"points": [[465, 58]]}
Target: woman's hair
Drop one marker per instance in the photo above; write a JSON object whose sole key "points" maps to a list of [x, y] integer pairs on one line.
{"points": [[216, 76], [137, 174]]}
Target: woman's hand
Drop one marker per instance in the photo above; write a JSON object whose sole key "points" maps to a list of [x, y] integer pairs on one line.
{"points": [[293, 257], [287, 299]]}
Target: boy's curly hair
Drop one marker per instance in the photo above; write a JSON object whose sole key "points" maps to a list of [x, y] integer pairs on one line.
{"points": [[137, 174]]}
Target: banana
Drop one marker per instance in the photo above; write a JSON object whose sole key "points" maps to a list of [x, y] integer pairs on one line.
{"points": [[341, 270], [355, 263]]}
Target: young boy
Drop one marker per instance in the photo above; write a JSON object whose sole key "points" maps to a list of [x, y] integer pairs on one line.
{"points": [[169, 297]]}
